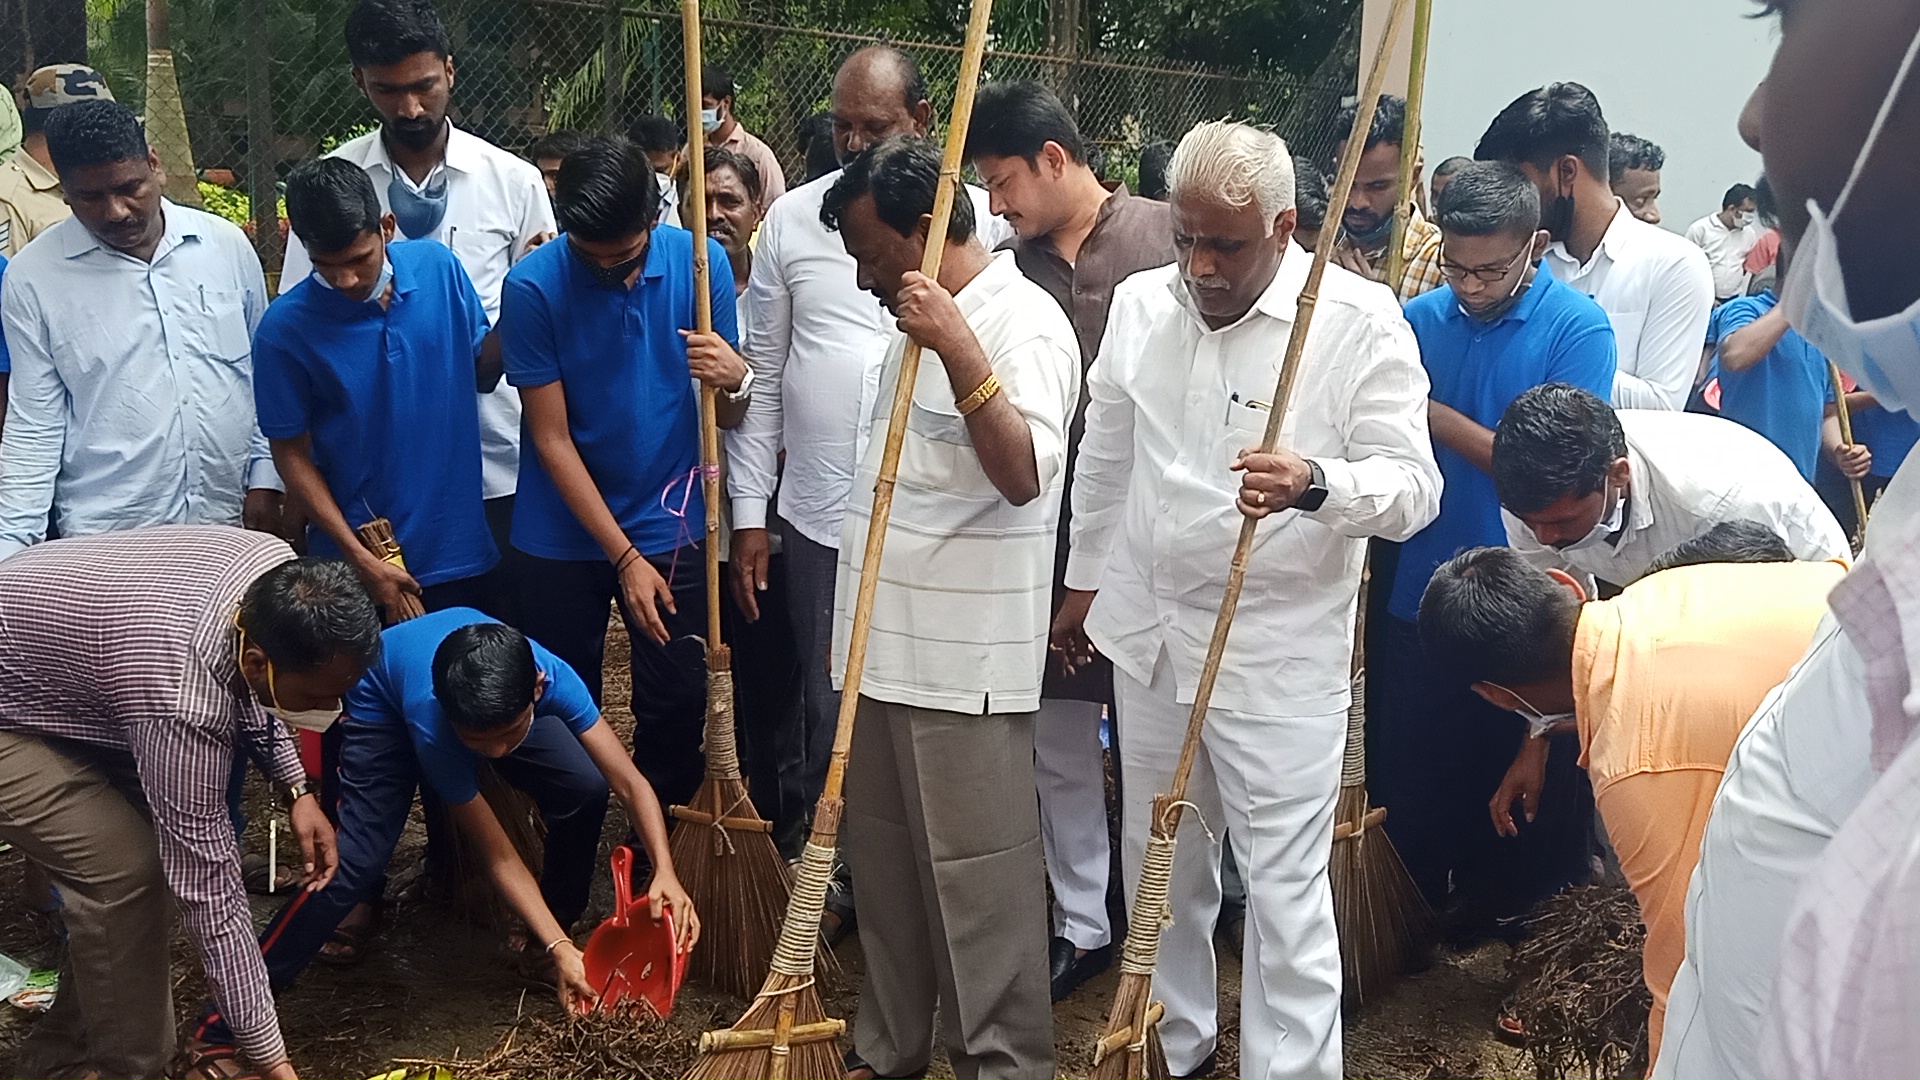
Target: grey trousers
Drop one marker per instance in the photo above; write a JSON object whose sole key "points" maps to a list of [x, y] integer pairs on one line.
{"points": [[944, 832], [113, 1012], [812, 573]]}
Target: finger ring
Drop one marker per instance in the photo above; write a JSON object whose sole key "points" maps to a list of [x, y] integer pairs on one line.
{"points": [[1259, 498]]}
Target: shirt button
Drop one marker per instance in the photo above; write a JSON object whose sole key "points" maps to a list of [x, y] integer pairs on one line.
{"points": [[1164, 507], [1167, 620]]}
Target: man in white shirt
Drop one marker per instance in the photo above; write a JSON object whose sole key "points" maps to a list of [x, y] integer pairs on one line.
{"points": [[1656, 288], [130, 325], [445, 184], [817, 341], [1178, 396], [942, 825], [1726, 237]]}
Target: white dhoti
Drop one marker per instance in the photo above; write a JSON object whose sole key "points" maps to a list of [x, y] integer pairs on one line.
{"points": [[1269, 783], [1070, 773]]}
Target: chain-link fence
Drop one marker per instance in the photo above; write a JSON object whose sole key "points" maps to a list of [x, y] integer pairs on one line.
{"points": [[265, 83]]}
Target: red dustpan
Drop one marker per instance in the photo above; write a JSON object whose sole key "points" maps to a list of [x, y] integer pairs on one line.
{"points": [[630, 958]]}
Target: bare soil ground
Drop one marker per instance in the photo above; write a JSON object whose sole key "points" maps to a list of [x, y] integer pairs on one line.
{"points": [[435, 988]]}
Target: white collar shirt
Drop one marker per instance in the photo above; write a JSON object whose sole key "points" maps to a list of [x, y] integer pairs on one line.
{"points": [[1726, 250], [1689, 473], [961, 612], [1657, 290], [131, 397], [816, 350], [1170, 404], [497, 206]]}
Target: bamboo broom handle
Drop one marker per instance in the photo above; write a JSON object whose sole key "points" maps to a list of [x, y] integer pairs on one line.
{"points": [[696, 210], [1409, 144], [1289, 367], [1845, 416], [949, 189]]}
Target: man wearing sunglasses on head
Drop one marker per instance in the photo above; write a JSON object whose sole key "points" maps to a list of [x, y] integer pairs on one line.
{"points": [[1500, 328]]}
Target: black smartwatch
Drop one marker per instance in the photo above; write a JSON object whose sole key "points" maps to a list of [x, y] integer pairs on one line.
{"points": [[295, 792], [1316, 493]]}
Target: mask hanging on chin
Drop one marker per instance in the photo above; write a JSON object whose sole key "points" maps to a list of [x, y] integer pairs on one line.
{"points": [[1557, 217], [612, 277], [418, 213], [1884, 353], [1610, 523]]}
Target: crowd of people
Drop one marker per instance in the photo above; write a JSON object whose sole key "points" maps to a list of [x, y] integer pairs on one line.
{"points": [[1598, 484]]}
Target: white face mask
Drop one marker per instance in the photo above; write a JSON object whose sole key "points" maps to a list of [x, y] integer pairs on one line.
{"points": [[1746, 218], [1884, 353], [1610, 523], [1538, 723], [306, 719], [710, 119], [379, 286]]}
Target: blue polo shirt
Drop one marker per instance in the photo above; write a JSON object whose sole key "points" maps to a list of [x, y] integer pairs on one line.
{"points": [[398, 690], [1784, 396], [6, 358], [1888, 434], [1553, 334], [631, 406], [387, 394]]}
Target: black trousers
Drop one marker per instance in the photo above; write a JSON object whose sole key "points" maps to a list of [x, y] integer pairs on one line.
{"points": [[563, 606], [1436, 752], [768, 719]]}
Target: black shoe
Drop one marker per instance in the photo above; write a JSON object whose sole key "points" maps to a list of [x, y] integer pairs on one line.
{"points": [[1207, 1067], [1068, 971]]}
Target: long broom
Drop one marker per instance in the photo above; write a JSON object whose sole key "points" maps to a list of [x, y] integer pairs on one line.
{"points": [[1409, 145], [1845, 416], [1129, 1047], [722, 850], [786, 1033]]}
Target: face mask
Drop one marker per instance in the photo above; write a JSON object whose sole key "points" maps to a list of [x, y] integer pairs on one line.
{"points": [[418, 213], [379, 286], [1557, 217], [1746, 218], [1609, 524], [1884, 353], [709, 120], [303, 719], [615, 276], [1494, 313], [1538, 723]]}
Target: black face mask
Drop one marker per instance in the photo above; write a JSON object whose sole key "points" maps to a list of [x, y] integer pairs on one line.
{"points": [[613, 277], [1557, 217]]}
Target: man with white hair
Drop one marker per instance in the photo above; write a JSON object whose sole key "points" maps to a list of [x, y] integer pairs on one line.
{"points": [[1177, 405]]}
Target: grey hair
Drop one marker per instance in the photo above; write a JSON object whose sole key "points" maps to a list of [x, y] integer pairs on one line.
{"points": [[1236, 165], [1487, 198]]}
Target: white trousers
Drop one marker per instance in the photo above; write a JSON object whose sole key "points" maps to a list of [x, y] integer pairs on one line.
{"points": [[1268, 783], [1068, 771]]}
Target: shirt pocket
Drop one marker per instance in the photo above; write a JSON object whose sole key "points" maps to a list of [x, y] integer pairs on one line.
{"points": [[1246, 426], [939, 454], [220, 329], [485, 250]]}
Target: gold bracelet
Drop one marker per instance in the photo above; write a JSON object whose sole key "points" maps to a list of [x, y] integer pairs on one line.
{"points": [[988, 387]]}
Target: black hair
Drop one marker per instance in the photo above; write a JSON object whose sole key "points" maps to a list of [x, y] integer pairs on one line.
{"points": [[1154, 159], [97, 132], [33, 121], [716, 81], [1018, 119], [1765, 203], [655, 134], [1626, 151], [913, 85], [1452, 165], [484, 676], [814, 134], [1741, 540], [1736, 195], [902, 174], [1309, 192], [1389, 121], [381, 32], [606, 190], [330, 202], [719, 157], [1541, 126], [556, 145], [306, 612], [1488, 615], [1486, 198], [1555, 440]]}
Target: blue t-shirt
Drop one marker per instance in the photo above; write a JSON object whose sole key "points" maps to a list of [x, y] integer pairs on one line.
{"points": [[6, 358], [387, 395], [1553, 334], [1888, 434], [1783, 397], [631, 406], [398, 689]]}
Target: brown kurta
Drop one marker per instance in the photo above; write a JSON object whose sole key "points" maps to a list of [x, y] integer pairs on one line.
{"points": [[1130, 235]]}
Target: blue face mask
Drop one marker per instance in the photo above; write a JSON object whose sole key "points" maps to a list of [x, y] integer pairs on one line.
{"points": [[379, 286], [418, 213]]}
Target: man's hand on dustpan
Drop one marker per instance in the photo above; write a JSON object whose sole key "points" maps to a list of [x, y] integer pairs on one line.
{"points": [[666, 892]]}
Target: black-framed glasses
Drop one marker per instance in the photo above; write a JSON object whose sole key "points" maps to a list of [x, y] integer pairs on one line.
{"points": [[1453, 271]]}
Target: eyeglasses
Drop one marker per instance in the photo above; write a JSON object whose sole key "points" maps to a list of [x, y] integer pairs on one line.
{"points": [[1453, 271]]}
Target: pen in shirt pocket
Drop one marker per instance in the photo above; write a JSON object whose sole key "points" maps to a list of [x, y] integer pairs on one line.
{"points": [[1251, 403]]}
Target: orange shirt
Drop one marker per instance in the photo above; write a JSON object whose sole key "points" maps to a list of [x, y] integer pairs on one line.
{"points": [[1665, 676]]}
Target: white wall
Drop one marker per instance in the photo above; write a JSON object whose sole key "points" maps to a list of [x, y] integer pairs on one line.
{"points": [[1674, 71]]}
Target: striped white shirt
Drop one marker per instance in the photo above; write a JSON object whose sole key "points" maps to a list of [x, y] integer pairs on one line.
{"points": [[960, 616]]}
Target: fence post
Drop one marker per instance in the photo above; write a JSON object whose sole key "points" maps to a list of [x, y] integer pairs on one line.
{"points": [[263, 188], [1063, 41], [614, 56], [166, 112]]}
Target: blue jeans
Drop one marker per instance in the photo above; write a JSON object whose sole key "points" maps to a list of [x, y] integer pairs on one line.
{"points": [[378, 777]]}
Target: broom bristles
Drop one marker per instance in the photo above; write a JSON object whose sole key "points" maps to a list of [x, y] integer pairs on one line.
{"points": [[1122, 1054], [738, 882], [810, 1054]]}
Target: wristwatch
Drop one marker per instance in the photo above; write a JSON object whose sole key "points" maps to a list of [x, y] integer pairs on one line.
{"points": [[1316, 493], [735, 397], [296, 791]]}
